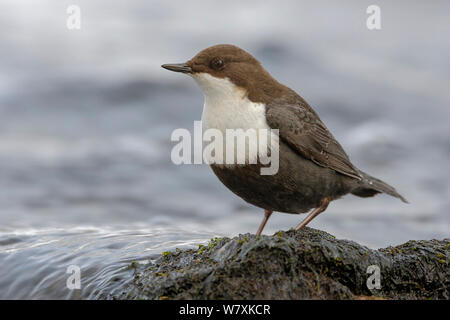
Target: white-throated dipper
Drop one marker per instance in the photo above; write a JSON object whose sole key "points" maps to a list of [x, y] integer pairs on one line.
{"points": [[313, 167]]}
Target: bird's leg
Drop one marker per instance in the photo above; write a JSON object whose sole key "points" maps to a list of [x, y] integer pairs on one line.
{"points": [[267, 214], [323, 204]]}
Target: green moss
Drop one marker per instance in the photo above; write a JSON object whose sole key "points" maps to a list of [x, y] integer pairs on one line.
{"points": [[201, 249], [166, 253], [213, 243], [162, 274]]}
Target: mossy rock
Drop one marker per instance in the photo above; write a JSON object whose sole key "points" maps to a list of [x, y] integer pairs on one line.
{"points": [[309, 264]]}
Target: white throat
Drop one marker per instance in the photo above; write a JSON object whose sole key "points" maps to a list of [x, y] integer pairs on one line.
{"points": [[227, 106]]}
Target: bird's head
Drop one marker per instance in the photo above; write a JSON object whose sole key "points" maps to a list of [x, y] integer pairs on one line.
{"points": [[215, 67]]}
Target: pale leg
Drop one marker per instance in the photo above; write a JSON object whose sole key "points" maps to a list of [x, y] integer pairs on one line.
{"points": [[321, 208], [267, 214]]}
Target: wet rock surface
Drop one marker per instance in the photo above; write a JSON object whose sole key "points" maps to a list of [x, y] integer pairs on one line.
{"points": [[309, 264]]}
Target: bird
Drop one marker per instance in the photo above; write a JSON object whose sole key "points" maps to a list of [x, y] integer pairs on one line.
{"points": [[313, 167]]}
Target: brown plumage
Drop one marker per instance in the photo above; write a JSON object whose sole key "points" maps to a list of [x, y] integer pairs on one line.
{"points": [[314, 168]]}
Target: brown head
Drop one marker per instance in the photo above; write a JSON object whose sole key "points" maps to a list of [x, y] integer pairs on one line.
{"points": [[226, 61]]}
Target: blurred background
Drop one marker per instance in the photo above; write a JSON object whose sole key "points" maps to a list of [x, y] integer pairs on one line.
{"points": [[86, 117]]}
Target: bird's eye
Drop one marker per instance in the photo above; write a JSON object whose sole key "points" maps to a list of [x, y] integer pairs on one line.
{"points": [[217, 64]]}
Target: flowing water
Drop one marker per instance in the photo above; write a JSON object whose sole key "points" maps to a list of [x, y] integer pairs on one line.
{"points": [[86, 118]]}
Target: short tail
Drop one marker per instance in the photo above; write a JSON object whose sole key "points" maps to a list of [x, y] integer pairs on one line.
{"points": [[371, 186]]}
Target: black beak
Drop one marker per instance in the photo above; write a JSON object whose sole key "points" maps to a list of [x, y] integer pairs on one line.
{"points": [[178, 67]]}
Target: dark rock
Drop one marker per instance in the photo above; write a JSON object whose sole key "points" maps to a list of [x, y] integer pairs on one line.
{"points": [[310, 264]]}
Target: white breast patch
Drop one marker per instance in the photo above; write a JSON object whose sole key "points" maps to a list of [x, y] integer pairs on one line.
{"points": [[227, 107]]}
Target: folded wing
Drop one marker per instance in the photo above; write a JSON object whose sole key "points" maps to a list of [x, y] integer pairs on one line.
{"points": [[301, 128]]}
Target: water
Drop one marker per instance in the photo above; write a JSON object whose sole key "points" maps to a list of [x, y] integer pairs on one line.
{"points": [[86, 118]]}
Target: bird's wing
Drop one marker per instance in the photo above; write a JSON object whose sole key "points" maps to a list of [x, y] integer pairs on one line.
{"points": [[301, 128]]}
